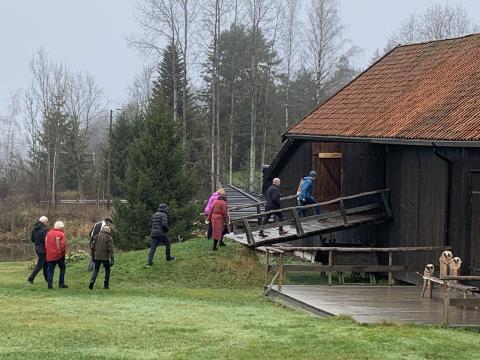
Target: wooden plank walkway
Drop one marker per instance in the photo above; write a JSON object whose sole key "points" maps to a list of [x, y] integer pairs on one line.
{"points": [[353, 210], [372, 304], [311, 227]]}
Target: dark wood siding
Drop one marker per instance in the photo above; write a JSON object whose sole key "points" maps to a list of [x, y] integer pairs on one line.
{"points": [[294, 164]]}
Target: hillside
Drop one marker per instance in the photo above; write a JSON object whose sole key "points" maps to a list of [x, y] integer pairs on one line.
{"points": [[203, 306]]}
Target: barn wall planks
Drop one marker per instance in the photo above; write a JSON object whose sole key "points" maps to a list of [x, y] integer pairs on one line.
{"points": [[294, 164], [418, 182]]}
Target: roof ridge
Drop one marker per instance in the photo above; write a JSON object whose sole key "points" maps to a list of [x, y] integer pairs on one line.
{"points": [[439, 40]]}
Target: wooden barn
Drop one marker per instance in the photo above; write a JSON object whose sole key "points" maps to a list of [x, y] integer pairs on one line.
{"points": [[409, 123]]}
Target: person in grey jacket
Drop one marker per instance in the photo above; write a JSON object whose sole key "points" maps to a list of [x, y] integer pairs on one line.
{"points": [[39, 232], [159, 234]]}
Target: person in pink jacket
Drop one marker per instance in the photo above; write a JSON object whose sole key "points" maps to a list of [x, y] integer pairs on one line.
{"points": [[209, 208]]}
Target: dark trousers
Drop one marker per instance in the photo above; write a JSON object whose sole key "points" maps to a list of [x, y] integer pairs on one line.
{"points": [[308, 201], [156, 241], [41, 264], [278, 215], [106, 266], [51, 271]]}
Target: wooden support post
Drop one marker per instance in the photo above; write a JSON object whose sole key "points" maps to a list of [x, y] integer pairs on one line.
{"points": [[259, 211], [330, 264], [446, 305], [280, 274], [386, 205], [342, 211], [267, 258], [298, 224], [390, 273], [248, 232]]}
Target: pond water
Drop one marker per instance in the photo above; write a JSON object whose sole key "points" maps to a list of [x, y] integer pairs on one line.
{"points": [[16, 252]]}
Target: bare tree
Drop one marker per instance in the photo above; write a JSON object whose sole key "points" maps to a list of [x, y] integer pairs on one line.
{"points": [[266, 114], [160, 21], [140, 90], [289, 36], [213, 10], [437, 23], [44, 102], [84, 103], [325, 42], [258, 11]]}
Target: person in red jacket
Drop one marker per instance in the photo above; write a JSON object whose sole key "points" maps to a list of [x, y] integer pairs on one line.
{"points": [[56, 248], [219, 219]]}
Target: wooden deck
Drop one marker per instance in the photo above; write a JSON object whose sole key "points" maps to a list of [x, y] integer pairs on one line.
{"points": [[310, 227], [371, 304]]}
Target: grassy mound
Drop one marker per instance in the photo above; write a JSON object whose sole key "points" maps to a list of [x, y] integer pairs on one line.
{"points": [[196, 266]]}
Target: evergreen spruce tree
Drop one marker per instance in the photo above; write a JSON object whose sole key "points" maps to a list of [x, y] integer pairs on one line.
{"points": [[155, 174], [126, 129]]}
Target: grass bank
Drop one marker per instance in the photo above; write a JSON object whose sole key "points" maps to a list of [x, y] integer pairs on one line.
{"points": [[203, 306]]}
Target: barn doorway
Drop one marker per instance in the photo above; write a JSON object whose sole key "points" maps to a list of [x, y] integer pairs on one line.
{"points": [[327, 162], [475, 221]]}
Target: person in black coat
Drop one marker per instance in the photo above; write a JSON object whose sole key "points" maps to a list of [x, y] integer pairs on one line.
{"points": [[158, 234], [273, 203], [39, 232]]}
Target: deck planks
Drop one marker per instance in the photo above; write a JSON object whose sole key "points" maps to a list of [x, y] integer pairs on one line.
{"points": [[372, 304], [312, 227]]}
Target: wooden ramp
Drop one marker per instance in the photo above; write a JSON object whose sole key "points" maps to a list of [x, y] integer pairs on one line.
{"points": [[371, 304], [366, 208]]}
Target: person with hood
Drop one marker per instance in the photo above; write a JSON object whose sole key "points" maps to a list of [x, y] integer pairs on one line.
{"points": [[158, 234], [306, 197], [219, 218], [273, 203], [39, 233], [102, 254], [95, 231], [56, 249], [209, 207]]}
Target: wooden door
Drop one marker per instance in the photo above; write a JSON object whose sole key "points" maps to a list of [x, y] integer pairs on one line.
{"points": [[475, 222], [327, 162]]}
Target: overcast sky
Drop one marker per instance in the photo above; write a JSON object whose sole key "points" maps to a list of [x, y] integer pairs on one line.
{"points": [[89, 35]]}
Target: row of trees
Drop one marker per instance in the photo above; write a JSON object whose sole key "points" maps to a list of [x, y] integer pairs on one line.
{"points": [[262, 69], [227, 78]]}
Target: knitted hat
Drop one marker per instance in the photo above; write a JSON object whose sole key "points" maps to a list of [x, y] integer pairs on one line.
{"points": [[59, 225], [313, 173], [43, 219]]}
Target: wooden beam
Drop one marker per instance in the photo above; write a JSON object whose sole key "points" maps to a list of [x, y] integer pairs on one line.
{"points": [[472, 302], [365, 249], [349, 268], [461, 278]]}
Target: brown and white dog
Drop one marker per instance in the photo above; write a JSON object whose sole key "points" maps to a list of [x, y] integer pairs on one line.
{"points": [[455, 266], [445, 260], [427, 284]]}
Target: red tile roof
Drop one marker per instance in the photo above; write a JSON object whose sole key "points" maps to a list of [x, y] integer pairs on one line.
{"points": [[427, 91]]}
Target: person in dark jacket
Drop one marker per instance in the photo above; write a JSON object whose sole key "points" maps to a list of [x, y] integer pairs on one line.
{"points": [[158, 234], [39, 232], [102, 254], [98, 227], [273, 203]]}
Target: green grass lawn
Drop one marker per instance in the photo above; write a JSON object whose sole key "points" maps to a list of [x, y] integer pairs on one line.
{"points": [[203, 306]]}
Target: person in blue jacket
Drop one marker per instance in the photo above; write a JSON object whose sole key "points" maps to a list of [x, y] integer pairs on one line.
{"points": [[305, 197]]}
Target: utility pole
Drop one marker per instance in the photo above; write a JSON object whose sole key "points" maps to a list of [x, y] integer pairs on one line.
{"points": [[109, 165]]}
